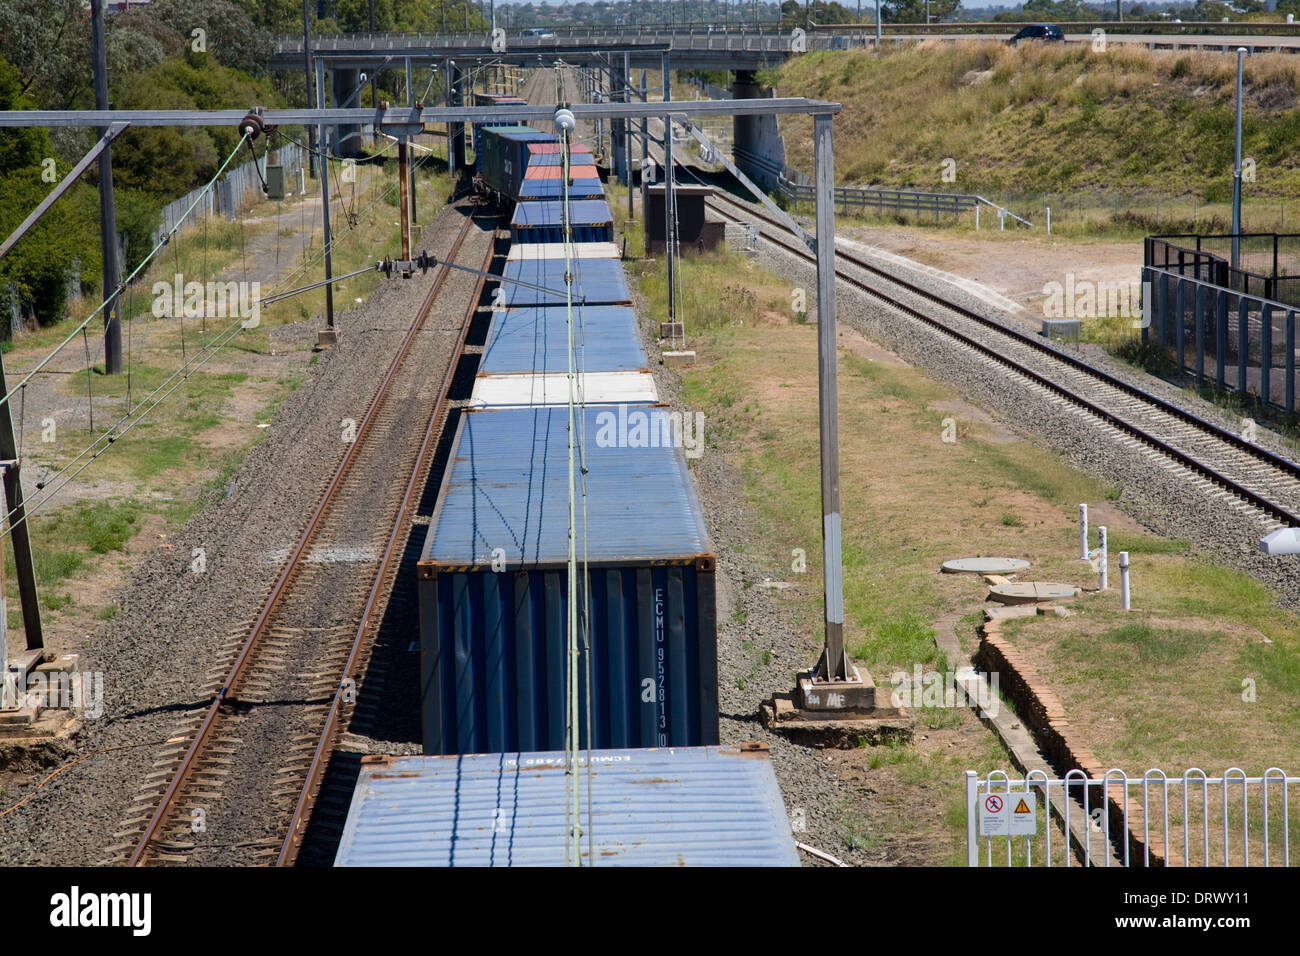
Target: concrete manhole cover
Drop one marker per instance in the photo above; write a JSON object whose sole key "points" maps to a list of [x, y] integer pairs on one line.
{"points": [[1032, 592], [984, 566]]}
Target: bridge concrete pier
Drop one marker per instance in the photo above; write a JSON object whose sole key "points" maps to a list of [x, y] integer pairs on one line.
{"points": [[759, 149], [345, 93], [455, 95], [618, 128]]}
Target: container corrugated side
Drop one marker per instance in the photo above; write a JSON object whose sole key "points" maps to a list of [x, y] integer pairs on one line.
{"points": [[705, 806], [542, 282], [493, 590], [528, 340], [505, 152]]}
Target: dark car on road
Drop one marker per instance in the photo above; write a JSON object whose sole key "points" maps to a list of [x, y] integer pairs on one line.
{"points": [[1046, 32]]}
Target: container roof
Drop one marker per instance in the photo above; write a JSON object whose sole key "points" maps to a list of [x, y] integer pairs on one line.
{"points": [[527, 340], [555, 250], [507, 487], [525, 133], [595, 282], [685, 806], [553, 189], [636, 386], [551, 213], [577, 157]]}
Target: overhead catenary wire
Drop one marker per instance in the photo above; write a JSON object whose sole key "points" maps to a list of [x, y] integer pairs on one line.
{"points": [[101, 443], [130, 278]]}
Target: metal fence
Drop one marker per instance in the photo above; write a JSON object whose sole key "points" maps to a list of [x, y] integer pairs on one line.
{"points": [[862, 199], [1240, 342], [232, 191], [1267, 263], [1154, 820]]}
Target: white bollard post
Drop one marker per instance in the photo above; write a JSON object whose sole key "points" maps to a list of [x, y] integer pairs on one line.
{"points": [[1002, 220], [1101, 554], [977, 217], [1123, 580], [1083, 532], [1049, 220]]}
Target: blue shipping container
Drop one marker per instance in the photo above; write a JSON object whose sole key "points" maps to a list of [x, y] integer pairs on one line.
{"points": [[493, 587], [537, 340], [505, 155], [589, 219], [693, 806], [595, 282], [553, 189], [577, 157]]}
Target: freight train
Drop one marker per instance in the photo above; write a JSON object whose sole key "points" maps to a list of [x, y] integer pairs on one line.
{"points": [[493, 589], [493, 570]]}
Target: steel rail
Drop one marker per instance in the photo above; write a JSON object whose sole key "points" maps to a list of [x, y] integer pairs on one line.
{"points": [[292, 565], [414, 487], [1187, 461]]}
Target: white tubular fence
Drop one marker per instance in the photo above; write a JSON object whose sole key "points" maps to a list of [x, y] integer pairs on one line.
{"points": [[1153, 820]]}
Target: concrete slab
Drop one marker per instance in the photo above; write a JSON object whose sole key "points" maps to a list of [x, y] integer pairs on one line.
{"points": [[1032, 592], [1005, 612], [684, 357], [984, 566]]}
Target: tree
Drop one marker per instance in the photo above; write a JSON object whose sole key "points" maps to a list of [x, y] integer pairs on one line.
{"points": [[914, 11]]}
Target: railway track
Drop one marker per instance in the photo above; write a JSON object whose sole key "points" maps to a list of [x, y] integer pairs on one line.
{"points": [[238, 781], [1238, 471]]}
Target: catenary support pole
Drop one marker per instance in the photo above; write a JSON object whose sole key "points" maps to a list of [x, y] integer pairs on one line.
{"points": [[112, 262], [325, 203], [835, 665], [19, 537], [311, 89], [1236, 171], [669, 245], [645, 182]]}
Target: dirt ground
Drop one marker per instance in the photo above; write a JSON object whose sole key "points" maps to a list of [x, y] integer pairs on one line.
{"points": [[1014, 268]]}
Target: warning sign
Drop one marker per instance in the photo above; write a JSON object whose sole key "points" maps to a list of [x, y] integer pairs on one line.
{"points": [[1008, 814], [1024, 821]]}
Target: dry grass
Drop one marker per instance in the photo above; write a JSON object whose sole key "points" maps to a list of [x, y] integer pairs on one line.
{"points": [[1033, 119]]}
